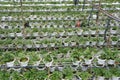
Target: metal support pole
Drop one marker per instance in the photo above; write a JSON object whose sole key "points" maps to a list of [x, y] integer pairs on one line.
{"points": [[90, 15], [83, 5], [107, 28]]}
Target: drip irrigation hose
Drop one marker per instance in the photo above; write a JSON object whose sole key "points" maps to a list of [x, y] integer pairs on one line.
{"points": [[90, 15], [107, 28]]}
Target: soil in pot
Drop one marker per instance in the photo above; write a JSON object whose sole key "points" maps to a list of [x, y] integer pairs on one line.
{"points": [[23, 59]]}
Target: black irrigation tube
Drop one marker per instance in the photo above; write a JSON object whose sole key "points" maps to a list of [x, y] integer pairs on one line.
{"points": [[62, 65], [107, 28], [56, 47]]}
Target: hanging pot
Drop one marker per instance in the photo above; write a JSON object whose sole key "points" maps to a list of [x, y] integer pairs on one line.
{"points": [[115, 78], [61, 34], [44, 45], [12, 34], [76, 63], [49, 18], [88, 61], [45, 34], [54, 33], [87, 43], [52, 68], [24, 61], [48, 26], [113, 32], [65, 44], [28, 46], [101, 62], [79, 32], [70, 33], [36, 34], [100, 78], [86, 33], [73, 43], [36, 63], [111, 62], [11, 63], [60, 26], [17, 69], [93, 43], [101, 43], [49, 64], [55, 26], [94, 16], [101, 32], [114, 43], [52, 44], [93, 32], [60, 67], [19, 34], [59, 18], [37, 45]]}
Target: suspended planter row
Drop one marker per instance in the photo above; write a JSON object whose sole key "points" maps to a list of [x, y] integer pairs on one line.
{"points": [[58, 4], [84, 65], [66, 34], [56, 10], [37, 18], [58, 45]]}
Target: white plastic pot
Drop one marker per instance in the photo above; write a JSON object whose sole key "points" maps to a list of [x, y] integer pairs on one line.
{"points": [[48, 64], [100, 78], [52, 68], [115, 78], [60, 26], [19, 34], [24, 64], [86, 33], [88, 61], [101, 43], [111, 62], [45, 34], [79, 32], [17, 69], [55, 26], [61, 34], [54, 33], [93, 43], [12, 34], [37, 45], [76, 63], [70, 33], [36, 34], [52, 44], [48, 26], [60, 68], [11, 63], [93, 32], [87, 43], [73, 43], [101, 62], [44, 45], [114, 42], [29, 46], [66, 44]]}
